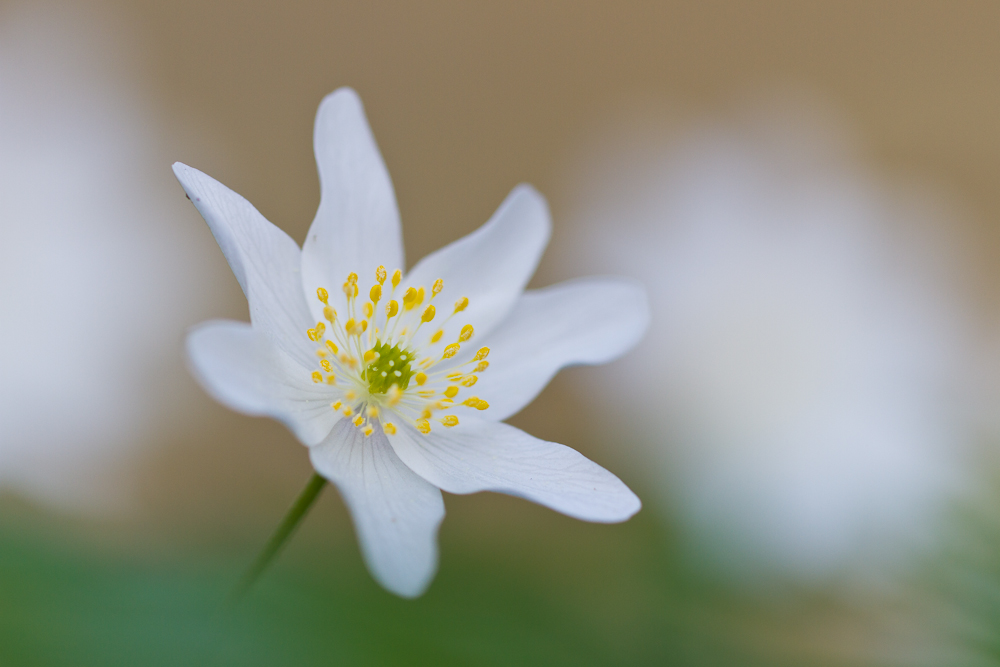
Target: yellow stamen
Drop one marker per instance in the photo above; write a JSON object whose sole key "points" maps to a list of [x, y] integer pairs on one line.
{"points": [[389, 428], [451, 391], [347, 412], [391, 309], [423, 426], [409, 298], [322, 294], [370, 356], [330, 314], [336, 406], [375, 293], [483, 365], [372, 411], [466, 333], [428, 314], [352, 278], [469, 381], [449, 421], [312, 334], [359, 420], [369, 310], [461, 304], [420, 379], [320, 329], [437, 335], [394, 394], [482, 354], [450, 351], [317, 377], [397, 275], [380, 274], [437, 287], [333, 346], [331, 379], [325, 363], [350, 395], [368, 430]]}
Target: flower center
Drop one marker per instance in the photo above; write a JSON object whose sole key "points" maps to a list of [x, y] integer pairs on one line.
{"points": [[381, 364]]}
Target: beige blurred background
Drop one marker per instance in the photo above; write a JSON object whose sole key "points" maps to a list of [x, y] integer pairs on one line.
{"points": [[466, 100]]}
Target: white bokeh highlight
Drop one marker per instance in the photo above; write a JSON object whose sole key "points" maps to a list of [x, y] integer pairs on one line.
{"points": [[799, 388], [98, 262]]}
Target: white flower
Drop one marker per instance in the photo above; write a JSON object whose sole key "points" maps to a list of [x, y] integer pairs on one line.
{"points": [[378, 373]]}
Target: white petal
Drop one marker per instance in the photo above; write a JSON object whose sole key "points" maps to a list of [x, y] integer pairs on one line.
{"points": [[479, 455], [490, 266], [585, 321], [396, 512], [265, 260], [357, 224], [237, 366]]}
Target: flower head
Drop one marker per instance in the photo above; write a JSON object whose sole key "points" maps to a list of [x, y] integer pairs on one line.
{"points": [[396, 382]]}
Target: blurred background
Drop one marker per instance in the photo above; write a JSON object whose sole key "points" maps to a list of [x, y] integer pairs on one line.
{"points": [[808, 191]]}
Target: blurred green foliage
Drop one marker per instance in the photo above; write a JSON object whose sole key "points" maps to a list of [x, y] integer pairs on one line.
{"points": [[558, 592]]}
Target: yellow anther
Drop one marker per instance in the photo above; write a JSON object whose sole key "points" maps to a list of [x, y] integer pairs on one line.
{"points": [[380, 274], [359, 420], [466, 333], [454, 377], [397, 275], [317, 376], [451, 391], [322, 294], [482, 353], [325, 363], [349, 326], [368, 430], [420, 379], [333, 346], [370, 356], [369, 310], [476, 402], [312, 334], [321, 353], [331, 379], [437, 287], [336, 406], [330, 314], [469, 381], [420, 296], [389, 428], [391, 309], [423, 426], [461, 304], [350, 395], [483, 365], [437, 335], [394, 395], [449, 421], [426, 414], [409, 298], [352, 278], [347, 412], [482, 405], [450, 351], [372, 411], [363, 326], [375, 293], [428, 314], [320, 329]]}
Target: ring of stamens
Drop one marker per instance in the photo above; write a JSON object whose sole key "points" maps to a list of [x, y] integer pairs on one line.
{"points": [[382, 370]]}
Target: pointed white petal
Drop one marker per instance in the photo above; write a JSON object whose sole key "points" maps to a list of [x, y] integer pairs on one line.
{"points": [[490, 266], [357, 224], [479, 455], [265, 260], [396, 513], [585, 321], [238, 367]]}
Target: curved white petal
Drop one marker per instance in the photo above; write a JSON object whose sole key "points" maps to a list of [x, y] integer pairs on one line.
{"points": [[357, 224], [396, 512], [490, 266], [238, 367], [584, 321], [265, 260], [479, 455]]}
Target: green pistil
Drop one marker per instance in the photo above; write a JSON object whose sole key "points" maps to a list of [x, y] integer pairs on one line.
{"points": [[392, 367]]}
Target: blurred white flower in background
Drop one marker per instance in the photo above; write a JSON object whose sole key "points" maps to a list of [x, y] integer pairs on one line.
{"points": [[799, 386], [98, 272]]}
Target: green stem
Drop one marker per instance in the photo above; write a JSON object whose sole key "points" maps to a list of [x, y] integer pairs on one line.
{"points": [[295, 514]]}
